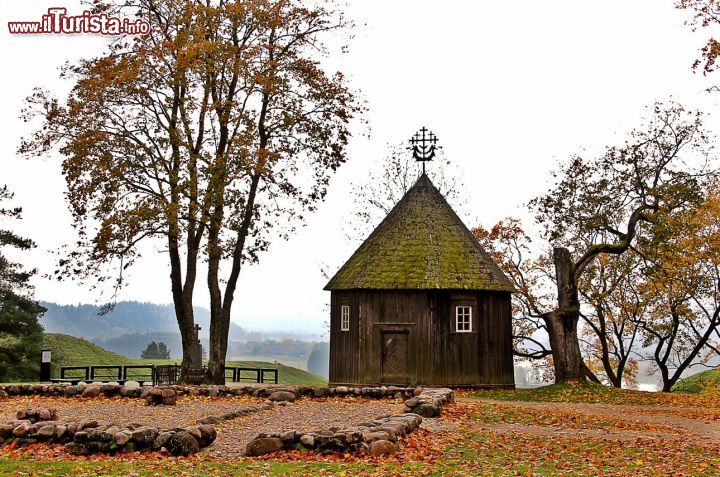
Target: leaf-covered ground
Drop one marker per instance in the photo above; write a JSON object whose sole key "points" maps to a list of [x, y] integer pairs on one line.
{"points": [[559, 430]]}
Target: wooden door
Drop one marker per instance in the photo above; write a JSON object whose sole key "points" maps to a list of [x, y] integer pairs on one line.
{"points": [[394, 357]]}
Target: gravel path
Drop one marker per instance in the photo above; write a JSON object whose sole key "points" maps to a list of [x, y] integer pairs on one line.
{"points": [[304, 415], [124, 411]]}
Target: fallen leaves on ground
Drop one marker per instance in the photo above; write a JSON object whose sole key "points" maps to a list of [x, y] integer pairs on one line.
{"points": [[474, 437]]}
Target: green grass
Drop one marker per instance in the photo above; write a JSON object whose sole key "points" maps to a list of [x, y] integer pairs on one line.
{"points": [[71, 351], [566, 392], [698, 382], [299, 362]]}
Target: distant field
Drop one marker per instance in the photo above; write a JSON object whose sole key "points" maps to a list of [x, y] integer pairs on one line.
{"points": [[294, 361], [71, 351]]}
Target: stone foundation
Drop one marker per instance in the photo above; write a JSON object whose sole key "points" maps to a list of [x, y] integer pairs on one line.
{"points": [[377, 437], [89, 437]]}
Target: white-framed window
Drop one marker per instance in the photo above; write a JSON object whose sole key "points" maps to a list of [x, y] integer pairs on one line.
{"points": [[345, 318], [463, 319]]}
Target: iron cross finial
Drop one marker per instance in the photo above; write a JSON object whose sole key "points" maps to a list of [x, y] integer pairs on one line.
{"points": [[423, 146]]}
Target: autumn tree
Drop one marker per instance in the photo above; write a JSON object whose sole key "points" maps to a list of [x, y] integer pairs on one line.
{"points": [[214, 133], [611, 306], [597, 205], [20, 331], [527, 268], [704, 14], [682, 290]]}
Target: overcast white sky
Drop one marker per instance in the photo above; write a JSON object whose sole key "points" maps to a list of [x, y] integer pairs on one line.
{"points": [[509, 88]]}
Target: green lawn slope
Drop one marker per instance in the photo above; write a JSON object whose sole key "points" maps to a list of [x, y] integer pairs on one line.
{"points": [[72, 351], [697, 382]]}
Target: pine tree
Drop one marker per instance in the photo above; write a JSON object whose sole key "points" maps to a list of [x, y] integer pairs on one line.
{"points": [[156, 351], [20, 333], [151, 352], [163, 351]]}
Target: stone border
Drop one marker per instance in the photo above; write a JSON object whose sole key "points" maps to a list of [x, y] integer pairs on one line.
{"points": [[89, 437], [377, 437], [157, 395], [430, 401]]}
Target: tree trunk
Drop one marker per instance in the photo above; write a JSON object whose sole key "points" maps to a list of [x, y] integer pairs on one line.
{"points": [[562, 323], [182, 303], [219, 329]]}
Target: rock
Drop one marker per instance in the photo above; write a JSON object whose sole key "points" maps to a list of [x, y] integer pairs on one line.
{"points": [[71, 391], [341, 390], [194, 431], [81, 436], [122, 438], [169, 401], [89, 425], [6, 431], [110, 390], [22, 429], [94, 446], [161, 439], [182, 443], [371, 437], [262, 446], [210, 420], [46, 432], [411, 403], [427, 410], [308, 440], [279, 396], [91, 391], [381, 448], [24, 442], [287, 436], [100, 435], [208, 434], [60, 431], [144, 436], [3, 393], [75, 448], [47, 414], [321, 392], [130, 392]]}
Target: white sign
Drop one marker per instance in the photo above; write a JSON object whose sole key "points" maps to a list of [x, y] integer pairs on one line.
{"points": [[46, 355]]}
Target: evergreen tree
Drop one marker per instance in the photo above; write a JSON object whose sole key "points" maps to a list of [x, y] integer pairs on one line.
{"points": [[156, 351], [151, 351], [163, 351], [20, 333]]}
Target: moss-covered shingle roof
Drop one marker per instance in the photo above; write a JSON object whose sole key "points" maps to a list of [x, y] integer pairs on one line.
{"points": [[421, 244]]}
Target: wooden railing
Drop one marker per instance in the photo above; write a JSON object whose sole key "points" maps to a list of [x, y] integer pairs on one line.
{"points": [[157, 374]]}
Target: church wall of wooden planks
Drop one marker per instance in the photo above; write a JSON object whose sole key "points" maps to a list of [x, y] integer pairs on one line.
{"points": [[421, 303]]}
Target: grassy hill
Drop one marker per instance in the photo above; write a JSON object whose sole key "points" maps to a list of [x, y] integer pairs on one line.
{"points": [[697, 382], [72, 351]]}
